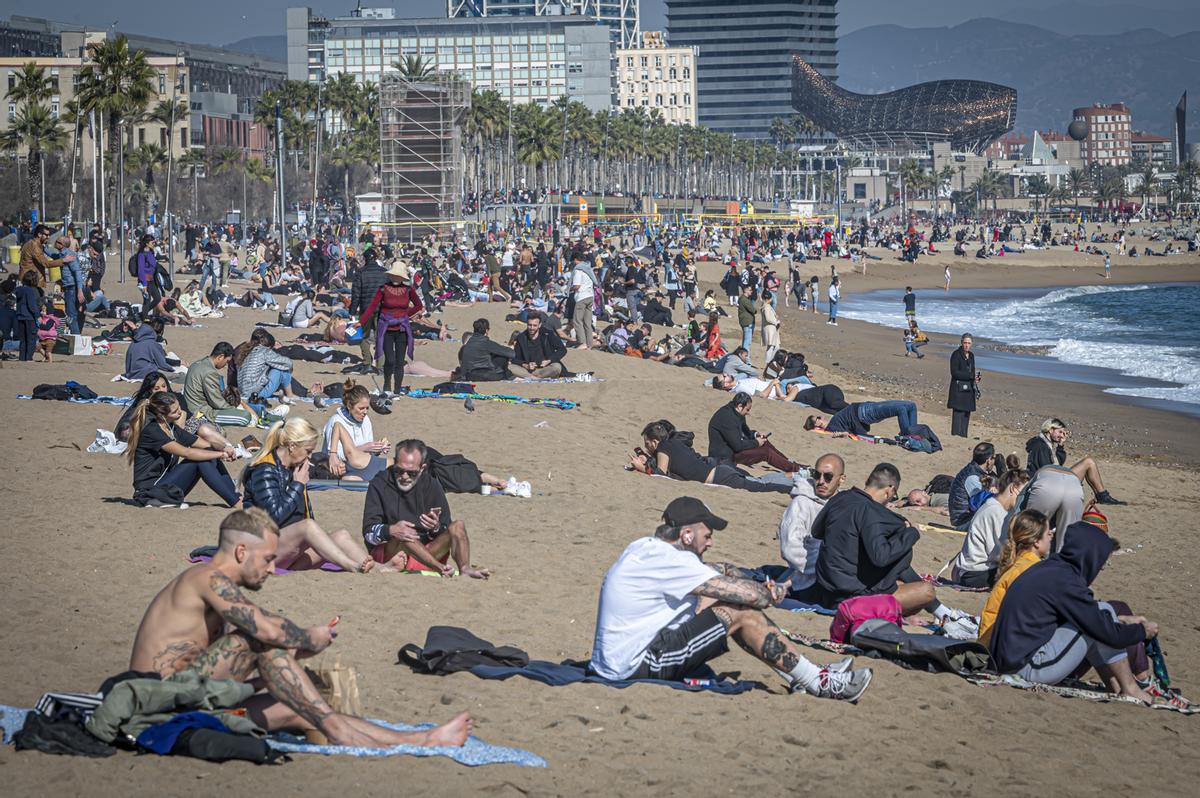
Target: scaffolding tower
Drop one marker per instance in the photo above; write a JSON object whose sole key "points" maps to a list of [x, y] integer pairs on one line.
{"points": [[421, 160]]}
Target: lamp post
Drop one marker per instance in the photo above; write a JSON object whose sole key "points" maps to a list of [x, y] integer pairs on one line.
{"points": [[121, 203], [171, 167]]}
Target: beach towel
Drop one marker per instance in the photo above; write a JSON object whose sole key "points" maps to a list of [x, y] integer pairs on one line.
{"points": [[573, 672], [475, 752], [338, 484], [120, 401], [582, 377], [532, 401], [205, 553], [1073, 688], [107, 442]]}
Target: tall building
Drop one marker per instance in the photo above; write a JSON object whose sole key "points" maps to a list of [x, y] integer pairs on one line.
{"points": [[621, 16], [1109, 130], [525, 59], [658, 78], [744, 72], [1148, 148]]}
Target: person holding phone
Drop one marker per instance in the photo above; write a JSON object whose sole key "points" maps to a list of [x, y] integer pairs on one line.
{"points": [[349, 437], [407, 522], [731, 440]]}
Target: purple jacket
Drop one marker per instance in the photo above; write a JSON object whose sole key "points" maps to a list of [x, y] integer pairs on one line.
{"points": [[147, 267]]}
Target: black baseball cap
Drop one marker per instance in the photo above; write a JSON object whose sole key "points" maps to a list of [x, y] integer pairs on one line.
{"points": [[689, 510]]}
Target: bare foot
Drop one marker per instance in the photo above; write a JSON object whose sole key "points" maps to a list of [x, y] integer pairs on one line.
{"points": [[476, 573], [454, 733], [399, 562], [366, 566], [1140, 695]]}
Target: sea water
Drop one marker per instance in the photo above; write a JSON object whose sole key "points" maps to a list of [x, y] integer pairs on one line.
{"points": [[1148, 334]]}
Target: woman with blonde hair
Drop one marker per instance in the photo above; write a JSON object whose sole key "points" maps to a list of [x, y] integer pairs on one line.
{"points": [[168, 460], [1027, 542], [277, 481]]}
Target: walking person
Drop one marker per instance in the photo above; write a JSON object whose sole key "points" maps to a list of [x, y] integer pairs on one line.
{"points": [[963, 380], [770, 325], [835, 295], [814, 289], [583, 288], [393, 308], [746, 314]]}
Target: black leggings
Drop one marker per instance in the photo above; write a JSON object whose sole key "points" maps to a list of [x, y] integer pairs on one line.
{"points": [[826, 398], [395, 350]]}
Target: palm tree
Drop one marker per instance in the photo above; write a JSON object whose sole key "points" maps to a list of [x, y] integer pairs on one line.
{"points": [[161, 114], [1060, 194], [1110, 192], [190, 161], [910, 177], [33, 86], [1037, 186], [37, 132], [1078, 181], [987, 186], [147, 158], [414, 68], [1149, 179], [344, 157], [226, 159]]}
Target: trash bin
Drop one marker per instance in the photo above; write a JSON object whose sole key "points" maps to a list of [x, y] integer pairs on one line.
{"points": [[14, 254]]}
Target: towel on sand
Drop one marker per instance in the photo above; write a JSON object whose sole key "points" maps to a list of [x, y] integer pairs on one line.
{"points": [[572, 672], [534, 401], [474, 752]]}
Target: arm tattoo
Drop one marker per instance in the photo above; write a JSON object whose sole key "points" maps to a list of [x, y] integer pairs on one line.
{"points": [[735, 591], [296, 637], [243, 618], [244, 614], [224, 587]]}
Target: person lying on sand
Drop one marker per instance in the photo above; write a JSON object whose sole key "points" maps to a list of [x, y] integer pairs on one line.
{"points": [[664, 613], [858, 417], [406, 518], [827, 398], [202, 621], [670, 453]]}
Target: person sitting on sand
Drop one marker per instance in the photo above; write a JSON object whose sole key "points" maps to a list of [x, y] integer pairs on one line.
{"points": [[670, 453], [406, 518], [168, 460], [203, 622], [205, 391], [977, 563], [797, 545], [967, 488], [539, 353], [195, 424], [857, 418], [277, 481], [480, 359], [262, 372], [1049, 622], [664, 613], [1027, 541], [1048, 448], [867, 549], [349, 437], [145, 355], [731, 440]]}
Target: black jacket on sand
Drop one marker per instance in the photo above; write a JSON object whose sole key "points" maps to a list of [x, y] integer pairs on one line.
{"points": [[729, 434], [865, 546], [1054, 593]]}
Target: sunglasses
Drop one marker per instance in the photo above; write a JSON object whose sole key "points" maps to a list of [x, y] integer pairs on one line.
{"points": [[822, 476], [411, 474]]}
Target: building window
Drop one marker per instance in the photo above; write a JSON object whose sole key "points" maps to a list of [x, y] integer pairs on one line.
{"points": [[687, 73], [12, 81], [162, 83], [860, 191], [12, 111], [575, 68], [141, 135], [54, 109], [628, 63], [630, 102], [658, 100], [645, 61], [658, 60], [687, 99], [646, 102], [673, 73]]}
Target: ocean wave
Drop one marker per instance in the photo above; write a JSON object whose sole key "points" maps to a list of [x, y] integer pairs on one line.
{"points": [[1162, 363], [1024, 307]]}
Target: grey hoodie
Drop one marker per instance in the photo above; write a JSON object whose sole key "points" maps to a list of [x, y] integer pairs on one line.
{"points": [[796, 543]]}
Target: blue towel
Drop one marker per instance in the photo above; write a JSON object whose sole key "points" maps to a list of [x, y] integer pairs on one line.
{"points": [[119, 401], [564, 673], [12, 720], [474, 752]]}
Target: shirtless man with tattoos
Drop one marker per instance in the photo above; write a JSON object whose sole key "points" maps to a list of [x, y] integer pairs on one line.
{"points": [[664, 612], [203, 621]]}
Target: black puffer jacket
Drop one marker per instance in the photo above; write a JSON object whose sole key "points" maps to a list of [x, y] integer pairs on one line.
{"points": [[865, 546], [369, 279], [270, 486]]}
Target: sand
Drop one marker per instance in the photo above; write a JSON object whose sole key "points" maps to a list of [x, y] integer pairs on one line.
{"points": [[78, 570]]}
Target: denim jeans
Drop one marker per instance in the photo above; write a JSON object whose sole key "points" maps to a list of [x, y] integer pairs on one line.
{"points": [[186, 473], [71, 304], [747, 336], [832, 310], [210, 269], [904, 411], [633, 298], [99, 302], [276, 379]]}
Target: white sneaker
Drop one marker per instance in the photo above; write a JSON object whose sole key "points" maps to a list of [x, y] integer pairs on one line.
{"points": [[279, 411], [847, 686], [960, 626], [510, 488], [524, 490]]}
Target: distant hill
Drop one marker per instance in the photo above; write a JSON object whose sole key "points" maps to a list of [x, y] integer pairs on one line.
{"points": [[1052, 73], [263, 46]]}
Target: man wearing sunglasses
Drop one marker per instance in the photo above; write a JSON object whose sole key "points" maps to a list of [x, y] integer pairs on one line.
{"points": [[406, 518], [796, 542]]}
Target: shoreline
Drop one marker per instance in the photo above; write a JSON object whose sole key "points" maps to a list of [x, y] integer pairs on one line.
{"points": [[867, 359]]}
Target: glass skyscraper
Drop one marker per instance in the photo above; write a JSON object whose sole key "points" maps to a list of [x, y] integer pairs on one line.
{"points": [[744, 71]]}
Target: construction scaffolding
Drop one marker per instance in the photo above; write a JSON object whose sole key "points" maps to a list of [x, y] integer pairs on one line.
{"points": [[421, 162]]}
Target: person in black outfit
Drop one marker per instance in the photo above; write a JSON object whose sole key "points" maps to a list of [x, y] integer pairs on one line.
{"points": [[670, 453], [481, 359], [731, 440], [539, 352], [962, 387], [367, 282]]}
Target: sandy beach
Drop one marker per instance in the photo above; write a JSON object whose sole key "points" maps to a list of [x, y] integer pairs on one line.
{"points": [[79, 568]]}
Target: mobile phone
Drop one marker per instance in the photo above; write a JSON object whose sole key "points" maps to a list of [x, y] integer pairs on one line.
{"points": [[638, 451]]}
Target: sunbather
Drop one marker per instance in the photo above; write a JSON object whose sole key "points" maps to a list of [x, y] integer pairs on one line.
{"points": [[184, 628], [349, 437]]}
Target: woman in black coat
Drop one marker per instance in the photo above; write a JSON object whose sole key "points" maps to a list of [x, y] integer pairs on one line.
{"points": [[962, 387]]}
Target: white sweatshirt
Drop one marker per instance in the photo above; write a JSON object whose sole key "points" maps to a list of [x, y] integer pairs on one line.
{"points": [[796, 543]]}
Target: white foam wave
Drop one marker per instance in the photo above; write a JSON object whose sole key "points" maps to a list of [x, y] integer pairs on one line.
{"points": [[1164, 363], [1024, 307]]}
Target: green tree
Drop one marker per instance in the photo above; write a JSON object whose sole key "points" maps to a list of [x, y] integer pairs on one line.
{"points": [[37, 132], [414, 68], [1077, 180]]}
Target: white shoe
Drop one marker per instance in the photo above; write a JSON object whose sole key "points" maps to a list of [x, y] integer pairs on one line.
{"points": [[279, 411], [510, 488], [524, 490], [960, 626]]}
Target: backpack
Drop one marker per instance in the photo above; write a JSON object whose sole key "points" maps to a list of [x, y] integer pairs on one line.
{"points": [[450, 649], [853, 612], [132, 265]]}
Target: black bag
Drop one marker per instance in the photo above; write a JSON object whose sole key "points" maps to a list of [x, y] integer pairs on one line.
{"points": [[450, 649], [132, 265], [940, 484], [455, 473], [925, 651], [212, 745], [59, 737]]}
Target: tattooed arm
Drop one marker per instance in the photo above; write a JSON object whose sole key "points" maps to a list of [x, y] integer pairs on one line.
{"points": [[266, 627], [729, 569], [732, 590]]}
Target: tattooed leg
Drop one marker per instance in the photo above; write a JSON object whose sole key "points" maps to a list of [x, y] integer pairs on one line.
{"points": [[176, 657], [759, 636], [290, 686]]}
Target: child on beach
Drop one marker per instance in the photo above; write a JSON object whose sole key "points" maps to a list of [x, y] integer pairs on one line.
{"points": [[947, 278], [47, 333]]}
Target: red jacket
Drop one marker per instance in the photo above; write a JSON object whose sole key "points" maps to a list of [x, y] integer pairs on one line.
{"points": [[394, 301]]}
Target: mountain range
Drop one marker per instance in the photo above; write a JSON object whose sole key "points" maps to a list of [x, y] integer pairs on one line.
{"points": [[1052, 72]]}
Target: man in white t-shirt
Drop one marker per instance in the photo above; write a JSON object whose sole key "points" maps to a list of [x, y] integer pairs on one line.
{"points": [[664, 613], [757, 387]]}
